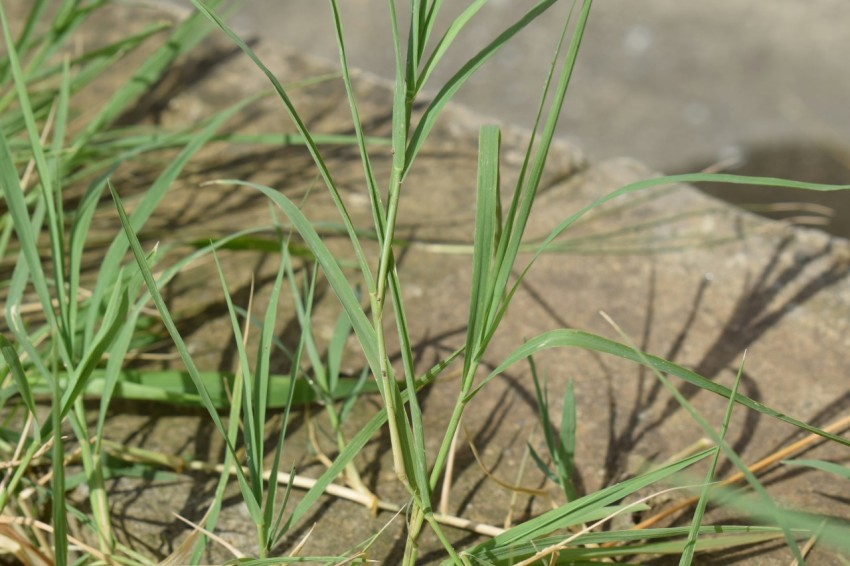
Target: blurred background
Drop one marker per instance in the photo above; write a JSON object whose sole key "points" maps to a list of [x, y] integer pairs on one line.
{"points": [[761, 87]]}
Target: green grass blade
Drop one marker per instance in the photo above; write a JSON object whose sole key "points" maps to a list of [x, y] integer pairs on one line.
{"points": [[378, 215], [829, 467], [252, 428], [431, 113], [579, 510], [138, 253], [446, 41], [691, 544], [486, 207], [519, 214], [57, 484], [324, 172], [588, 341], [567, 437], [336, 349], [678, 179], [48, 187], [342, 289], [20, 378], [145, 207], [24, 229], [114, 318]]}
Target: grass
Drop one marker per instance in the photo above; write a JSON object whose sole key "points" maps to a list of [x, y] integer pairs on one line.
{"points": [[81, 344]]}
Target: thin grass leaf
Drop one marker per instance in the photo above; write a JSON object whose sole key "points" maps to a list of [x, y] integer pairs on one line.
{"points": [[766, 500], [176, 387], [484, 242], [445, 94], [20, 378], [579, 510], [261, 379], [336, 349], [342, 289], [567, 439], [252, 427], [679, 179], [541, 465], [829, 467], [588, 341], [57, 483], [520, 212], [277, 529], [47, 182], [113, 319], [141, 213], [699, 511], [138, 253], [445, 42], [24, 229], [378, 215], [302, 129]]}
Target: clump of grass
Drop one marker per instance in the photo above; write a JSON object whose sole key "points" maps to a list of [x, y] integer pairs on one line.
{"points": [[81, 342]]}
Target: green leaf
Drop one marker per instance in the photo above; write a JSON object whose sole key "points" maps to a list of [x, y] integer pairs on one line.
{"points": [[587, 341]]}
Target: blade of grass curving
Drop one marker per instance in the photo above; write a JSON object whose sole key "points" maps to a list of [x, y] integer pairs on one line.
{"points": [[577, 511], [766, 500], [114, 318], [25, 230], [417, 453], [20, 378], [252, 428], [47, 182], [679, 179], [275, 520], [378, 215], [308, 139], [592, 342], [433, 110], [22, 44], [829, 467], [535, 172], [180, 345], [445, 42], [91, 64], [67, 300], [690, 545], [115, 254], [342, 289], [14, 297]]}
